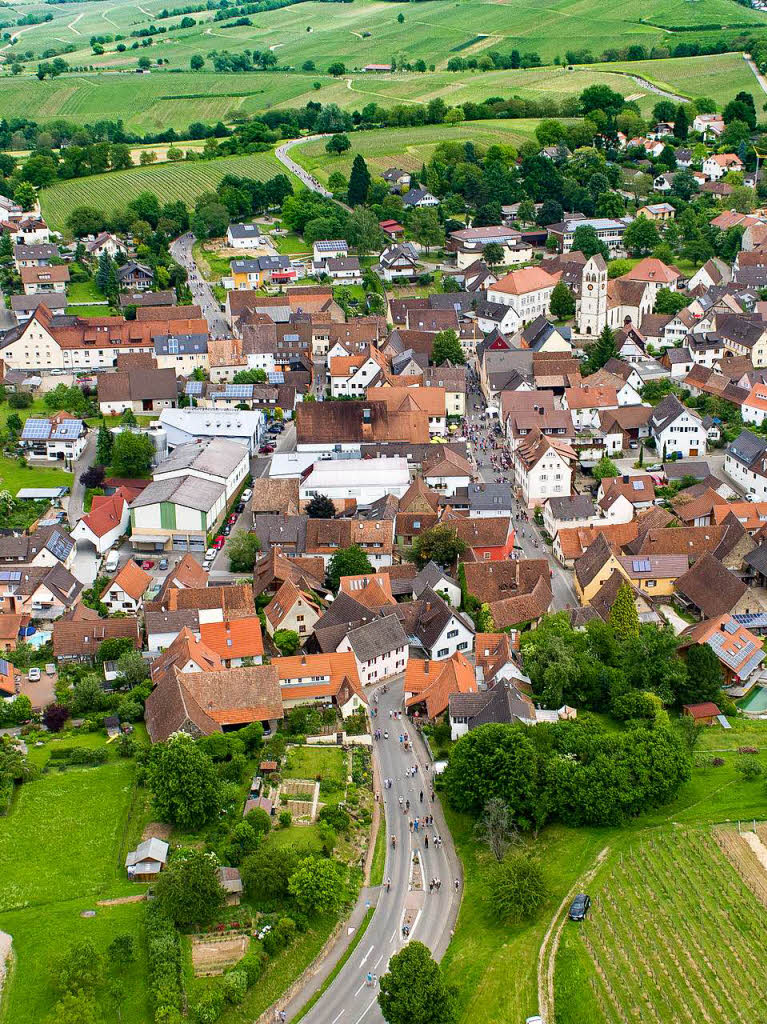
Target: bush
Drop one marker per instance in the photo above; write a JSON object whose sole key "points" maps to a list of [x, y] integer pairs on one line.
{"points": [[164, 959], [20, 400], [336, 817], [517, 888], [748, 767], [253, 967], [235, 986], [286, 819], [209, 1007]]}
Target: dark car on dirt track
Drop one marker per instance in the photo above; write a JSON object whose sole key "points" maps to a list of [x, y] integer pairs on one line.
{"points": [[579, 907]]}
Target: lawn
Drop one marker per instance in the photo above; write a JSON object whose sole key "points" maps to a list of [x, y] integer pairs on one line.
{"points": [[83, 292], [87, 311], [38, 937], [169, 182], [63, 819], [13, 476], [213, 265]]}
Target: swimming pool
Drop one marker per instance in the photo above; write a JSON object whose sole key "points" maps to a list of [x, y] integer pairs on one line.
{"points": [[756, 701], [42, 636]]}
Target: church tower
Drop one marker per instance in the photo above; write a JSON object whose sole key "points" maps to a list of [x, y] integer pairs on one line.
{"points": [[593, 312]]}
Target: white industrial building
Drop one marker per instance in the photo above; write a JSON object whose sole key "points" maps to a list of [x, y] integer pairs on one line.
{"points": [[365, 480], [186, 425]]}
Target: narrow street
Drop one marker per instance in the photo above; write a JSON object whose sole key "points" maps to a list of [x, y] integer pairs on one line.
{"points": [[531, 544], [202, 293], [352, 998]]}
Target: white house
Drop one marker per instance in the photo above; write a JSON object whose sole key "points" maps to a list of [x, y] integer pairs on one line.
{"points": [[350, 376], [364, 480], [543, 468], [677, 429], [183, 426], [419, 198], [719, 164], [493, 316], [380, 649], [330, 249], [434, 577], [398, 263], [440, 630], [125, 593], [527, 291], [754, 409], [243, 236], [343, 270], [586, 402], [218, 461], [60, 438], [107, 520], [745, 462]]}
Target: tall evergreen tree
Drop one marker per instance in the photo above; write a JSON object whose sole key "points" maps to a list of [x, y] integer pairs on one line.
{"points": [[602, 351], [359, 181], [104, 446], [681, 122], [623, 615], [102, 274]]}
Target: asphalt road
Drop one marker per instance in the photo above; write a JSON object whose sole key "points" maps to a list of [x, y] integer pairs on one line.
{"points": [[531, 544], [281, 152], [350, 999], [181, 251]]}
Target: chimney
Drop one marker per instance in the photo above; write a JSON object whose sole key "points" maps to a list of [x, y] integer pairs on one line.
{"points": [[625, 478], [426, 666]]}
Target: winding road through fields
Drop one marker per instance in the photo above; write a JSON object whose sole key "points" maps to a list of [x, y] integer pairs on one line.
{"points": [[350, 999]]}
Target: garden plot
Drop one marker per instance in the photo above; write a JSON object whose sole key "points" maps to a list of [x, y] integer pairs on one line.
{"points": [[213, 955], [301, 798]]}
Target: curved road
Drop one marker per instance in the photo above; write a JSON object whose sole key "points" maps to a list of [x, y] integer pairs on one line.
{"points": [[281, 152], [349, 999], [202, 294]]}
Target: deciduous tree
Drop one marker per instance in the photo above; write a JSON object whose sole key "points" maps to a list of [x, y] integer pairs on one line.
{"points": [[183, 781], [188, 891], [351, 561], [317, 885], [414, 989]]}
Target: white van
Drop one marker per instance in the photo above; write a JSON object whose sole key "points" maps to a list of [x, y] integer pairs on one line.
{"points": [[113, 560]]}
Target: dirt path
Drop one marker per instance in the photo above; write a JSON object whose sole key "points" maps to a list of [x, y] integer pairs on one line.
{"points": [[386, 96], [757, 73], [139, 896], [71, 25], [105, 16], [547, 955], [656, 89]]}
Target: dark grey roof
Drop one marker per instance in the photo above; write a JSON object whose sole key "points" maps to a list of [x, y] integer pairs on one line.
{"points": [[377, 638], [429, 577], [53, 300], [489, 497], [666, 412], [747, 447], [677, 470], [575, 507], [757, 559], [180, 344], [506, 705], [282, 530]]}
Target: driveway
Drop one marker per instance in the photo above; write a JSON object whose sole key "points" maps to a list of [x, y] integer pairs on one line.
{"points": [[77, 492], [349, 999], [202, 293]]}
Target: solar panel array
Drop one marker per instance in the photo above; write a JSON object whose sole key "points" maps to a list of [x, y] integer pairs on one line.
{"points": [[67, 430], [36, 430], [275, 376], [733, 659], [330, 245], [5, 667], [236, 391], [60, 545], [193, 387], [7, 576], [752, 620], [730, 627]]}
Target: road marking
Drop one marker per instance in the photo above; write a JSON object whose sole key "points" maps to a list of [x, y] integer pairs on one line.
{"points": [[393, 935], [362, 961], [336, 1018], [379, 959], [357, 1021], [360, 989]]}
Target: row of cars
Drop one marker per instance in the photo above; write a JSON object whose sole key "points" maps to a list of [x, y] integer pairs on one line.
{"points": [[227, 528], [270, 444]]}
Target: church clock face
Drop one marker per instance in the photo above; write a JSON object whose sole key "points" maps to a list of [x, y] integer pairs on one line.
{"points": [[591, 287]]}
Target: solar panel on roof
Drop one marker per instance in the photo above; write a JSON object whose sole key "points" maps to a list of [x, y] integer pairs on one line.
{"points": [[193, 387], [68, 430], [641, 565], [730, 627], [5, 667], [638, 485], [59, 545], [10, 577], [275, 376], [36, 429]]}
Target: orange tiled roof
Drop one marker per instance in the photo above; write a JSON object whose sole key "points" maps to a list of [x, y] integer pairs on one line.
{"points": [[237, 638]]}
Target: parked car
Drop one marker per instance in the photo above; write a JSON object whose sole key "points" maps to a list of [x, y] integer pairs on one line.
{"points": [[246, 495], [232, 519], [50, 669], [239, 507], [227, 530], [579, 907], [219, 542], [34, 675], [147, 564], [163, 563], [210, 554], [266, 449]]}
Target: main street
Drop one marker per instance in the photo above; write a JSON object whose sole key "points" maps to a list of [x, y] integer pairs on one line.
{"points": [[202, 293], [529, 540], [350, 998]]}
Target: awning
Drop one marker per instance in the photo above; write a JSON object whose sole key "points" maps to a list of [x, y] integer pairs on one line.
{"points": [[148, 538]]}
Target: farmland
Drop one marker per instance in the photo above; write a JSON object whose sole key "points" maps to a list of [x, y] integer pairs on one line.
{"points": [[408, 147], [168, 181], [674, 936], [150, 103], [367, 30]]}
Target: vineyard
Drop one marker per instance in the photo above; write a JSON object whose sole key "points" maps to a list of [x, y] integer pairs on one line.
{"points": [[183, 180], [675, 935]]}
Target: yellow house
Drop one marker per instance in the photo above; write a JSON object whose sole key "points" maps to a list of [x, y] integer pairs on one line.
{"points": [[255, 273], [658, 212], [655, 575], [594, 568]]}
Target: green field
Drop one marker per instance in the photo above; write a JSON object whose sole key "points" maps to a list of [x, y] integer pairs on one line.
{"points": [[62, 848], [408, 147], [673, 936], [168, 181], [164, 100], [367, 30]]}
